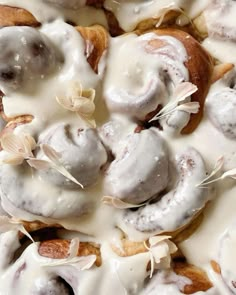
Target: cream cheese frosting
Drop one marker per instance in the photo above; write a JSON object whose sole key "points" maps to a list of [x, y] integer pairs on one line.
{"points": [[116, 158]]}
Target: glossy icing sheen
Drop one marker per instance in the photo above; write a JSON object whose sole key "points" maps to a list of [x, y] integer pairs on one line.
{"points": [[117, 159]]}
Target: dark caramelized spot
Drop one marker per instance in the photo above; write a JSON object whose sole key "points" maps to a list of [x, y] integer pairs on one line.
{"points": [[7, 74], [37, 49]]}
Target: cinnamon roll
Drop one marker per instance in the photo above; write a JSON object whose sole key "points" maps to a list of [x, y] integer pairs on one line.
{"points": [[162, 59], [177, 207], [220, 105], [127, 178], [111, 175], [25, 55]]}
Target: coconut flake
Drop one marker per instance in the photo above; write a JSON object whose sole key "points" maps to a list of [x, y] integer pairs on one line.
{"points": [[55, 163], [79, 262], [80, 101], [39, 164], [19, 147], [74, 247], [229, 174], [189, 107], [180, 93], [218, 166], [13, 160], [162, 13], [160, 250], [51, 153], [9, 224], [119, 204]]}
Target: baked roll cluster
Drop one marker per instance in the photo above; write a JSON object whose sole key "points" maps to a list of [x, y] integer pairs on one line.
{"points": [[117, 147]]}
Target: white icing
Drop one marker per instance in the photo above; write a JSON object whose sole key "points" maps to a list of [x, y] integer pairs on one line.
{"points": [[184, 194], [72, 4], [220, 19], [225, 11], [127, 178], [136, 86], [45, 12], [221, 105], [130, 13], [227, 257], [117, 275]]}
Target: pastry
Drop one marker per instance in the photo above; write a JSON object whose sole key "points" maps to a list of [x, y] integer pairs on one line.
{"points": [[117, 160]]}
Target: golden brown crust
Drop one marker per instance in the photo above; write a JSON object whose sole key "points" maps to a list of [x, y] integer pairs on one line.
{"points": [[215, 266], [113, 24], [185, 232], [59, 249], [220, 70], [200, 67], [95, 3], [98, 37], [200, 280], [200, 25], [198, 277], [168, 20], [129, 248], [33, 226], [14, 122], [13, 16]]}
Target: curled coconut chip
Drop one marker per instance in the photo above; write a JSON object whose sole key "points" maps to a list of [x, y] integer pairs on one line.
{"points": [[20, 147], [210, 178], [79, 262], [180, 93], [54, 163], [10, 224], [163, 12], [119, 204], [74, 247], [160, 249], [80, 101]]}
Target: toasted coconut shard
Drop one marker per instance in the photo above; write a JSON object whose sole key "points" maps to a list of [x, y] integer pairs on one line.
{"points": [[14, 16], [59, 249]]}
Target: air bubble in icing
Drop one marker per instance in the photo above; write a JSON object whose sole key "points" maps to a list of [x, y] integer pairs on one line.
{"points": [[25, 54], [140, 168], [82, 154]]}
